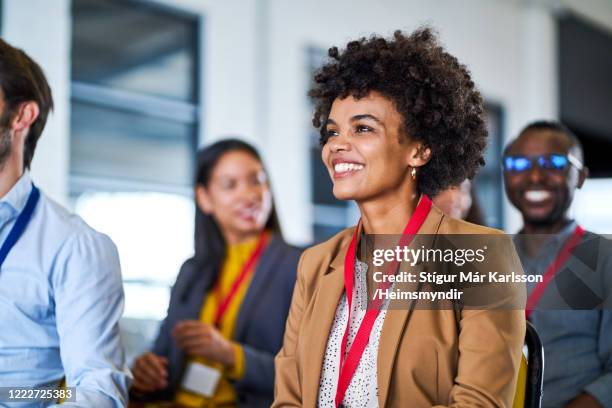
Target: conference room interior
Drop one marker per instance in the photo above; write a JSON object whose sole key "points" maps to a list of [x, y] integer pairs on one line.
{"points": [[140, 85]]}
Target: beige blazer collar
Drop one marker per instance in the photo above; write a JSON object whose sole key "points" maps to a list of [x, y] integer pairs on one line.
{"points": [[326, 300]]}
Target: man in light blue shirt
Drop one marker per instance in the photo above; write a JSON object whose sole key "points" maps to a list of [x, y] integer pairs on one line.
{"points": [[61, 294]]}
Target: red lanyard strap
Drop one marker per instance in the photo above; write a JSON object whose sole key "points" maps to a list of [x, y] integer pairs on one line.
{"points": [[350, 360], [246, 271], [553, 268]]}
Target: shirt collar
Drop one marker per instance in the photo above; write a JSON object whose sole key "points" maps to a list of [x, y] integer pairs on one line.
{"points": [[554, 243], [566, 231], [18, 195]]}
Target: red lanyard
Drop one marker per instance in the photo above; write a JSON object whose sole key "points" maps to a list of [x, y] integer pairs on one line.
{"points": [[552, 269], [350, 360], [247, 270]]}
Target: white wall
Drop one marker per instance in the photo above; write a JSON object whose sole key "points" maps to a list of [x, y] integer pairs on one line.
{"points": [[42, 29], [255, 69]]}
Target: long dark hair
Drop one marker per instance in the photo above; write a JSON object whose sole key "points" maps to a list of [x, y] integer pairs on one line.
{"points": [[209, 243]]}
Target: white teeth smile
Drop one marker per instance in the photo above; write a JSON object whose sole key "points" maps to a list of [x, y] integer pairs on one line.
{"points": [[247, 213], [537, 196], [344, 167]]}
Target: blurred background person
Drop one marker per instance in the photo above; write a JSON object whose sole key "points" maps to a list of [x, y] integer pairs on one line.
{"points": [[543, 167], [229, 304], [460, 202]]}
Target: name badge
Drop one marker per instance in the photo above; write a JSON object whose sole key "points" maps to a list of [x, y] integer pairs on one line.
{"points": [[201, 379]]}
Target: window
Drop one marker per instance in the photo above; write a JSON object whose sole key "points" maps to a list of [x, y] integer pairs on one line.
{"points": [[134, 125], [488, 183]]}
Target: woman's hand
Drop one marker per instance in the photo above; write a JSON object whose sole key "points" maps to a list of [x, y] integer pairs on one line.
{"points": [[204, 340], [150, 373]]}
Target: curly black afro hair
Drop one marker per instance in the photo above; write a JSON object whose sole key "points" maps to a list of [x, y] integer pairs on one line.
{"points": [[430, 89]]}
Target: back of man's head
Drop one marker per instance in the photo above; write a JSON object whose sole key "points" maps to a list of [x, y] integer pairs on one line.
{"points": [[22, 80]]}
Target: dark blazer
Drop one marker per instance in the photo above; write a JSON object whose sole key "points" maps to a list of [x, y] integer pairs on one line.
{"points": [[259, 327]]}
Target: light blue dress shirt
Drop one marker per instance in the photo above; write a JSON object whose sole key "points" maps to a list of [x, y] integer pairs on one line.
{"points": [[61, 298]]}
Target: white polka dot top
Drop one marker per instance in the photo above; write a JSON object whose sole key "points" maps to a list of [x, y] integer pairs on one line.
{"points": [[362, 391]]}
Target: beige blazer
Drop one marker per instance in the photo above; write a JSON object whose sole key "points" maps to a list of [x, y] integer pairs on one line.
{"points": [[426, 358]]}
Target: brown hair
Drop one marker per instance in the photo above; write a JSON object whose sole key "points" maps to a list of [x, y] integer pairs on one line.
{"points": [[22, 80]]}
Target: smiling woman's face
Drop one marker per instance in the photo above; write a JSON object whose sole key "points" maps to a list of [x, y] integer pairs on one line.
{"points": [[237, 196], [365, 153]]}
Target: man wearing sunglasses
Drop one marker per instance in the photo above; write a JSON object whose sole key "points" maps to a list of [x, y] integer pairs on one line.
{"points": [[543, 167]]}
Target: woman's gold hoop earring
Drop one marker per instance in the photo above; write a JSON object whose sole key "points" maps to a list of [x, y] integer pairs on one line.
{"points": [[413, 173]]}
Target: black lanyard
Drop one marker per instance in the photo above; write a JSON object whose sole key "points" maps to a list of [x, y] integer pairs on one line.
{"points": [[20, 225]]}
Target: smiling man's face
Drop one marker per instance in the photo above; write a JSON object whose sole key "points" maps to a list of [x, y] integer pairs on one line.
{"points": [[543, 196]]}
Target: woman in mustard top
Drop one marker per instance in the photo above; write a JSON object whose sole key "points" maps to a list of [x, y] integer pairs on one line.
{"points": [[229, 304]]}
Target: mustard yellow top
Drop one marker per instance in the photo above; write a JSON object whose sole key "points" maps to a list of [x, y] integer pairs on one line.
{"points": [[521, 385], [235, 258]]}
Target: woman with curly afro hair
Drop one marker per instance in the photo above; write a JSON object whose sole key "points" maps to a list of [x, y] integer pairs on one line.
{"points": [[400, 120]]}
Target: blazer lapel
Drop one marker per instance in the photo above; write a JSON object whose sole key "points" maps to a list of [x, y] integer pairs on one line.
{"points": [[330, 290], [397, 318], [263, 273], [195, 293]]}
